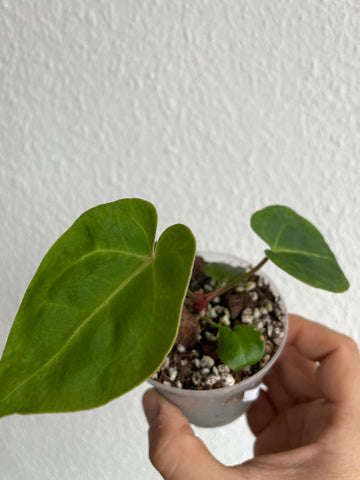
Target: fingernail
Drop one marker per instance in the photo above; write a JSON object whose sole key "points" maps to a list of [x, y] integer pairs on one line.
{"points": [[151, 405]]}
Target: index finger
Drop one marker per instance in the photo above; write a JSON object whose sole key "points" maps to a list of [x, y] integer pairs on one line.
{"points": [[338, 373]]}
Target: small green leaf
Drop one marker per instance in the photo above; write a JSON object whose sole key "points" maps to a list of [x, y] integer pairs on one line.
{"points": [[298, 248], [223, 272], [241, 346], [100, 314]]}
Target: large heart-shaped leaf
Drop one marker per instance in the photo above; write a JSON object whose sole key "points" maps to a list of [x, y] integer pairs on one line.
{"points": [[241, 346], [100, 314], [298, 248]]}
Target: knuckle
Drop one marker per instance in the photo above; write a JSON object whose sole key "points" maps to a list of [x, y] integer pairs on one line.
{"points": [[168, 449], [350, 346], [157, 456], [160, 458]]}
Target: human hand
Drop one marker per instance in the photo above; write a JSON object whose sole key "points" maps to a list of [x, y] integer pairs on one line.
{"points": [[306, 424]]}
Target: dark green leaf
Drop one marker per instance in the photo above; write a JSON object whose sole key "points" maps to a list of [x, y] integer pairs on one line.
{"points": [[100, 314], [298, 248], [223, 272], [241, 346]]}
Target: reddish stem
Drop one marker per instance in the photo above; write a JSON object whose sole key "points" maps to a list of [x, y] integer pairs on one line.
{"points": [[200, 300]]}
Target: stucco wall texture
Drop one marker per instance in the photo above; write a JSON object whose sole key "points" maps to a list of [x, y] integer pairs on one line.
{"points": [[209, 109]]}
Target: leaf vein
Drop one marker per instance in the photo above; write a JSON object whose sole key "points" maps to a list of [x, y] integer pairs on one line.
{"points": [[81, 326], [309, 254]]}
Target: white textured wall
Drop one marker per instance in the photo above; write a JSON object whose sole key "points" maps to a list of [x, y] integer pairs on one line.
{"points": [[210, 109]]}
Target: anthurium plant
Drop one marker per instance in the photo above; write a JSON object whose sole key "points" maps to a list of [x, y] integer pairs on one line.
{"points": [[103, 309]]}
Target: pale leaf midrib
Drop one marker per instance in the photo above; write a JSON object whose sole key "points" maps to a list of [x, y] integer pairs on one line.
{"points": [[110, 250], [95, 251], [299, 252], [275, 243], [81, 326]]}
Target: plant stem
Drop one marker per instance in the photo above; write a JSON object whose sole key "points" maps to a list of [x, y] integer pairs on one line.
{"points": [[210, 322], [210, 296], [192, 295], [200, 300]]}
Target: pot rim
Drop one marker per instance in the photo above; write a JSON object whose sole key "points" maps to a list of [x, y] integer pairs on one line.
{"points": [[254, 380]]}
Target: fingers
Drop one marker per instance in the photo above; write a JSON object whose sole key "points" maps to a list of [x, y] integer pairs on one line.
{"points": [[338, 374], [261, 413], [293, 379], [316, 363], [174, 450]]}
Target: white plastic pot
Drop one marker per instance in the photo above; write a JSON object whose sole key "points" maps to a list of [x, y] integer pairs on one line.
{"points": [[213, 408]]}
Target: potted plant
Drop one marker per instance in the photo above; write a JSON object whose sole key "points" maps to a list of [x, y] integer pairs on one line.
{"points": [[103, 309]]}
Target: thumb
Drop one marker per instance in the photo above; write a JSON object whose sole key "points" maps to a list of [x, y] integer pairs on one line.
{"points": [[174, 450]]}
